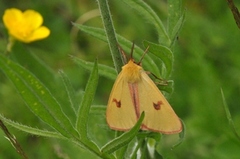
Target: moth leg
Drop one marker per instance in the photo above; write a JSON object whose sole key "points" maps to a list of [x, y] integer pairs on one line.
{"points": [[161, 81]]}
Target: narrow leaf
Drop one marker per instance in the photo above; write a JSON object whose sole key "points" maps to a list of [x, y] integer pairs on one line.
{"points": [[155, 135], [181, 136], [29, 60], [157, 155], [149, 14], [177, 28], [174, 13], [84, 110], [37, 97], [121, 153], [125, 44], [70, 92], [124, 139], [163, 53], [229, 117], [98, 33], [31, 130], [103, 70], [135, 150], [98, 109]]}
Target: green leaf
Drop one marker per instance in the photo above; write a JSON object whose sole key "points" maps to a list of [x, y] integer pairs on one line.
{"points": [[177, 28], [98, 109], [181, 136], [155, 135], [29, 60], [174, 13], [99, 33], [71, 95], [157, 155], [146, 153], [163, 53], [176, 18], [37, 97], [84, 110], [143, 148], [124, 139], [229, 117], [120, 153], [31, 130], [149, 14], [167, 88], [104, 70]]}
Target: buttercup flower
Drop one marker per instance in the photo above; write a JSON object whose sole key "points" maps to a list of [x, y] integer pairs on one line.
{"points": [[25, 26]]}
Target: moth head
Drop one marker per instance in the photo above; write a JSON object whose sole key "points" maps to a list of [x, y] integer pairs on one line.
{"points": [[132, 72]]}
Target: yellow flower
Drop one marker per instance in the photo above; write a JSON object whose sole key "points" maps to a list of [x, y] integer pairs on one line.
{"points": [[25, 26]]}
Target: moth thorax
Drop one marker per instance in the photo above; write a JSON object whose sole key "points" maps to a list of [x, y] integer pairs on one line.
{"points": [[132, 72]]}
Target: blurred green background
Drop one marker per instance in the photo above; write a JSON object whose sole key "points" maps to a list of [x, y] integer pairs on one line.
{"points": [[207, 59]]}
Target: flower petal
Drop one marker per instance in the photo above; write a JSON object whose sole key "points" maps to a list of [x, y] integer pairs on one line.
{"points": [[41, 33], [32, 19], [12, 17]]}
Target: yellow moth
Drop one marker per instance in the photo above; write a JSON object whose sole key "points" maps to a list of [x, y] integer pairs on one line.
{"points": [[134, 92]]}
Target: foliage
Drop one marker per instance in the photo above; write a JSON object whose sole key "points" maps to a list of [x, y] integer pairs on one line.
{"points": [[200, 59]]}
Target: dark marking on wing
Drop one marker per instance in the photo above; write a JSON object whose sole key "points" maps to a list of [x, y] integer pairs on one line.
{"points": [[157, 105], [118, 103]]}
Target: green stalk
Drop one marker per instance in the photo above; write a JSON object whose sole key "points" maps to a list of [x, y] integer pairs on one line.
{"points": [[110, 32]]}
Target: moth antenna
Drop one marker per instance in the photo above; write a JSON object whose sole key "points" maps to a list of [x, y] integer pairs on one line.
{"points": [[131, 54], [123, 54], [140, 61]]}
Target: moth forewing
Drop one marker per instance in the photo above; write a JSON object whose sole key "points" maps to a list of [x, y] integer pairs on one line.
{"points": [[159, 115], [120, 110]]}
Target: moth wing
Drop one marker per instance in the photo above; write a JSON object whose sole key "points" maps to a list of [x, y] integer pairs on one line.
{"points": [[120, 117], [159, 115]]}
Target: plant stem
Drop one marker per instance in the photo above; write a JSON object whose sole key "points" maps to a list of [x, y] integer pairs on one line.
{"points": [[110, 32], [235, 12], [13, 141]]}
